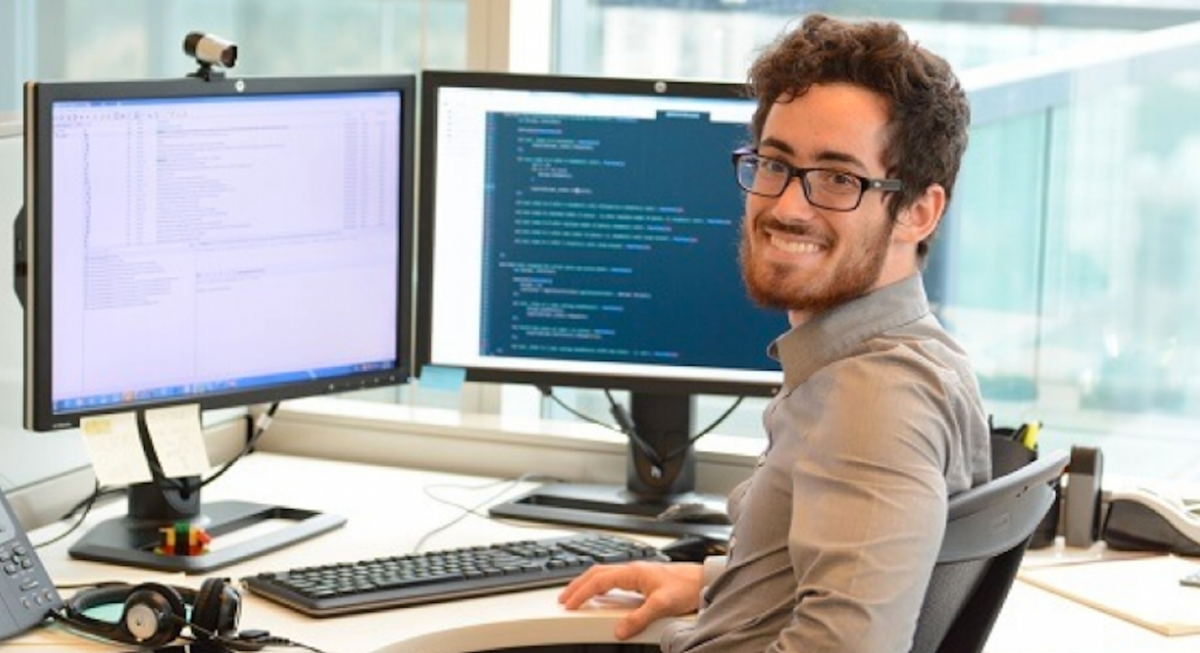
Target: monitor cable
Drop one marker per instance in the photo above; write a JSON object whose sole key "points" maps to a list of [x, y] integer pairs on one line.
{"points": [[620, 413], [260, 427], [626, 426]]}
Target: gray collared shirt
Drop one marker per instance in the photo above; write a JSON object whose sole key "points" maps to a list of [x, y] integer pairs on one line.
{"points": [[879, 421]]}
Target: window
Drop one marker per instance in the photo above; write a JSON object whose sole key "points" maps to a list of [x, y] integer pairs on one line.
{"points": [[1072, 242], [82, 40]]}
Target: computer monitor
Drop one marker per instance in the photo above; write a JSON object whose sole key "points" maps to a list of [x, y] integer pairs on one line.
{"points": [[584, 232], [219, 243]]}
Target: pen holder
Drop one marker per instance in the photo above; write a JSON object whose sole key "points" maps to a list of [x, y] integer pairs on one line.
{"points": [[1010, 453]]}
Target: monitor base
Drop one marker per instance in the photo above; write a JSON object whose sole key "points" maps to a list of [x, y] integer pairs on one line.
{"points": [[130, 542], [613, 508]]}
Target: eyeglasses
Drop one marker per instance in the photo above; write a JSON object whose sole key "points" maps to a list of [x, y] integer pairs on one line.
{"points": [[835, 190]]}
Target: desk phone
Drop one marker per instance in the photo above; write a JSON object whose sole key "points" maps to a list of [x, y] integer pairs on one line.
{"points": [[27, 596]]}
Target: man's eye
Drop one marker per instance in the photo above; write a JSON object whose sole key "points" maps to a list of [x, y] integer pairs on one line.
{"points": [[772, 167], [837, 179]]}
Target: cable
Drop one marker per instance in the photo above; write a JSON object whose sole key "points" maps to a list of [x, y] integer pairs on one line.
{"points": [[629, 429], [624, 424], [246, 640], [467, 511], [549, 394], [655, 458], [85, 506], [709, 429], [260, 427]]}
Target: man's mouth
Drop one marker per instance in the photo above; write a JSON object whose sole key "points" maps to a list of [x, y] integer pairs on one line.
{"points": [[792, 238], [793, 246]]}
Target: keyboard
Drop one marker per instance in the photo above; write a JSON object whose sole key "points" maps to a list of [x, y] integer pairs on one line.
{"points": [[419, 578]]}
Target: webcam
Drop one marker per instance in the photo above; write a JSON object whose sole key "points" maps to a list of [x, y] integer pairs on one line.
{"points": [[210, 50]]}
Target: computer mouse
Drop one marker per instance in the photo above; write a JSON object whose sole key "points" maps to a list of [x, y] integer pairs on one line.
{"points": [[694, 513], [1144, 520], [694, 548]]}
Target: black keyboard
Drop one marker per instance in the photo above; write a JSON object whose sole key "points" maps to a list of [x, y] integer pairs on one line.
{"points": [[418, 578]]}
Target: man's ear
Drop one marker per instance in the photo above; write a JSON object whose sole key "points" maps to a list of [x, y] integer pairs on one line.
{"points": [[921, 218]]}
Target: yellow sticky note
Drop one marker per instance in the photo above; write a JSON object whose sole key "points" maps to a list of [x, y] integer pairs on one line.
{"points": [[115, 449]]}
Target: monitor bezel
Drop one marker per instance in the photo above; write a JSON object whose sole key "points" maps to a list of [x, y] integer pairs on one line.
{"points": [[35, 250], [432, 82]]}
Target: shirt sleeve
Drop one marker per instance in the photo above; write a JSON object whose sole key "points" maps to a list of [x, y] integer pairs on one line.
{"points": [[869, 507], [713, 566]]}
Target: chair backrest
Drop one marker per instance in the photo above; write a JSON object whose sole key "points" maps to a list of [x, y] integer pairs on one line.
{"points": [[987, 531]]}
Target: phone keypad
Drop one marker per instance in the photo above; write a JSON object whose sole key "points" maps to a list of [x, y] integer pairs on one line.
{"points": [[26, 593]]}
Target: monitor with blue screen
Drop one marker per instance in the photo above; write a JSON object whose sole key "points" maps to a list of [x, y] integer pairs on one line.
{"points": [[218, 243], [584, 232]]}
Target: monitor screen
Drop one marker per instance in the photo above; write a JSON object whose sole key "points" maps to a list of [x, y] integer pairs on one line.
{"points": [[219, 242], [584, 232], [222, 243]]}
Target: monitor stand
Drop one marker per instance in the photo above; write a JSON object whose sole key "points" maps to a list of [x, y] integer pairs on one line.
{"points": [[655, 489], [239, 530], [131, 540]]}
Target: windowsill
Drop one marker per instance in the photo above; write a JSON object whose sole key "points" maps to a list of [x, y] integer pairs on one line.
{"points": [[485, 445], [10, 124]]}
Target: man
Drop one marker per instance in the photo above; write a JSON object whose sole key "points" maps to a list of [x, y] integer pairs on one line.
{"points": [[857, 137]]}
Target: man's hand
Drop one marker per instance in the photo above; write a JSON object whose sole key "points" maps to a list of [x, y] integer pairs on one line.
{"points": [[670, 589]]}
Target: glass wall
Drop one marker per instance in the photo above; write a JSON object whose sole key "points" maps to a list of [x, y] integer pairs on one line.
{"points": [[1067, 264], [82, 40], [1068, 260], [718, 38]]}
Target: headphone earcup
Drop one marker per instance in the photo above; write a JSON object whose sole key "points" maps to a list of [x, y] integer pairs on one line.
{"points": [[154, 615], [217, 609], [81, 602]]}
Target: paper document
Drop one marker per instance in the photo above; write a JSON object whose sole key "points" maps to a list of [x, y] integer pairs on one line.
{"points": [[178, 440]]}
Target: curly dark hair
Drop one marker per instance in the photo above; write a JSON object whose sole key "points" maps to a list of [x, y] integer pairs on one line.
{"points": [[928, 110]]}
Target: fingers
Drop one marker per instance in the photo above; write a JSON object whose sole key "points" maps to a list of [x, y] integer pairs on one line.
{"points": [[595, 581], [602, 579], [668, 590], [635, 622]]}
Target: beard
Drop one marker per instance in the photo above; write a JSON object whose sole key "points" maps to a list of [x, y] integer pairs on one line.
{"points": [[777, 285]]}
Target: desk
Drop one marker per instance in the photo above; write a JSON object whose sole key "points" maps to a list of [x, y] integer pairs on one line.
{"points": [[389, 512]]}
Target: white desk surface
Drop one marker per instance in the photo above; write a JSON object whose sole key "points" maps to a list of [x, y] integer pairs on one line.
{"points": [[389, 511]]}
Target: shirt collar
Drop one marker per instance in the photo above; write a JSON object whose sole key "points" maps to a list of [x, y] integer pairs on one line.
{"points": [[830, 334]]}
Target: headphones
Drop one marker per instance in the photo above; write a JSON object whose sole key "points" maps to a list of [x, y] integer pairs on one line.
{"points": [[155, 615]]}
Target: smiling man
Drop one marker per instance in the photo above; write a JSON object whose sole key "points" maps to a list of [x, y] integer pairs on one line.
{"points": [[857, 141]]}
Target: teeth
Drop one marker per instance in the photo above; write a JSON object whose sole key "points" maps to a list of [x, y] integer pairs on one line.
{"points": [[796, 247]]}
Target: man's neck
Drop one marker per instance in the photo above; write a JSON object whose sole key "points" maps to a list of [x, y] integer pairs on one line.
{"points": [[799, 316]]}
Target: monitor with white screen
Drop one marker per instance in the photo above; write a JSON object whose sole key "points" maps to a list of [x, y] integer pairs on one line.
{"points": [[212, 243], [584, 232]]}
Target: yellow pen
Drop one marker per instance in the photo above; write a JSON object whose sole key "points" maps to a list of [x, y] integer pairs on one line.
{"points": [[1030, 438]]}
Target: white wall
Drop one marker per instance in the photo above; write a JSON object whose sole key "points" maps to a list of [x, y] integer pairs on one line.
{"points": [[29, 459], [10, 201]]}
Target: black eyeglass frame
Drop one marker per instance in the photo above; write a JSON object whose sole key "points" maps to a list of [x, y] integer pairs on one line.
{"points": [[795, 172]]}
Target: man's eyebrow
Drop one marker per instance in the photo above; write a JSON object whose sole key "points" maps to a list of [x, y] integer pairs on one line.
{"points": [[778, 145], [823, 156]]}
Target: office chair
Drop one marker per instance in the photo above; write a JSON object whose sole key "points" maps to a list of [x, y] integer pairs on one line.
{"points": [[987, 532]]}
